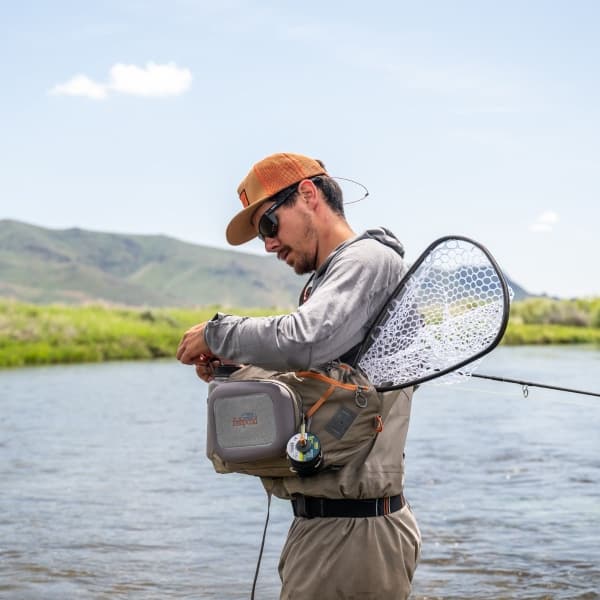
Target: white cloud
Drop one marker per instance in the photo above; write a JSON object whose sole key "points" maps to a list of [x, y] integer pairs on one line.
{"points": [[80, 85], [545, 222], [152, 80]]}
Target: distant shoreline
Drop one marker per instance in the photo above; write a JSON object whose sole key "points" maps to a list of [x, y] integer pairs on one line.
{"points": [[57, 334], [540, 335]]}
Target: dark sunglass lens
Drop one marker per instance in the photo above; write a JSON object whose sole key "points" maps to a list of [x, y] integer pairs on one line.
{"points": [[267, 226]]}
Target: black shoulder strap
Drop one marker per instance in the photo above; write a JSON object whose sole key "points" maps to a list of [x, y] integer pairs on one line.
{"points": [[351, 357], [306, 290]]}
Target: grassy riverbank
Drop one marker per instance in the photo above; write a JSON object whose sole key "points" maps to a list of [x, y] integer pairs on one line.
{"points": [[549, 321], [36, 335], [530, 334]]}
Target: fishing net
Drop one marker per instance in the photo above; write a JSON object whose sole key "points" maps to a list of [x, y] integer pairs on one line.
{"points": [[450, 310]]}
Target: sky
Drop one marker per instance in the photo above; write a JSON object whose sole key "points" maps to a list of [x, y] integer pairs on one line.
{"points": [[475, 118]]}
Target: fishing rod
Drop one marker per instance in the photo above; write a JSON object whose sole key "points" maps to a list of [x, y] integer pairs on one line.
{"points": [[527, 384]]}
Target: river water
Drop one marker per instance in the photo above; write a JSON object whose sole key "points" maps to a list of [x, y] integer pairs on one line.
{"points": [[105, 491]]}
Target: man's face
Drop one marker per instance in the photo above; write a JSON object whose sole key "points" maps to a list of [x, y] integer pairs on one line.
{"points": [[296, 240]]}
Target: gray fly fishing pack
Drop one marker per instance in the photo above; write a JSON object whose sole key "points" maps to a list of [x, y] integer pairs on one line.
{"points": [[272, 424]]}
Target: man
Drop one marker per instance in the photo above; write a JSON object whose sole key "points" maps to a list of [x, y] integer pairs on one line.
{"points": [[354, 535]]}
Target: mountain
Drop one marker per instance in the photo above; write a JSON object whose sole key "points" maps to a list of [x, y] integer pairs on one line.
{"points": [[75, 266], [519, 292]]}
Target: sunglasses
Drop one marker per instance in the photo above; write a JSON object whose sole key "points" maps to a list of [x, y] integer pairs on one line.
{"points": [[268, 223]]}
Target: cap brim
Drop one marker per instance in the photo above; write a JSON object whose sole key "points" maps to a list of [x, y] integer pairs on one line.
{"points": [[240, 229]]}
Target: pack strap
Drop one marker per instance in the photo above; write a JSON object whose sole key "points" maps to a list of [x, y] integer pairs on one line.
{"points": [[333, 384]]}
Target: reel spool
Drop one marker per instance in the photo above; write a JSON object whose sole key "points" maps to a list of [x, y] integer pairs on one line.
{"points": [[305, 454]]}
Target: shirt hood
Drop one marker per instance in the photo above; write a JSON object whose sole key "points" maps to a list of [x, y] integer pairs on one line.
{"points": [[380, 234], [384, 236]]}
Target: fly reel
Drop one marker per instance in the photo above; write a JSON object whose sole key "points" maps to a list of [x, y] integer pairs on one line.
{"points": [[304, 453]]}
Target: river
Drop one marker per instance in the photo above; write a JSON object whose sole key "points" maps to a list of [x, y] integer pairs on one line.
{"points": [[105, 491]]}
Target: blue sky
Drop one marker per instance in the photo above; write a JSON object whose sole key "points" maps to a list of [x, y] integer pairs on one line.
{"points": [[470, 117]]}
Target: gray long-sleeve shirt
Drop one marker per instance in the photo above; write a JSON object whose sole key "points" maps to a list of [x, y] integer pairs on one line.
{"points": [[348, 291]]}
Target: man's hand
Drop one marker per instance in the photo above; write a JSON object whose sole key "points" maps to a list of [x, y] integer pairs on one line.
{"points": [[193, 349], [205, 367]]}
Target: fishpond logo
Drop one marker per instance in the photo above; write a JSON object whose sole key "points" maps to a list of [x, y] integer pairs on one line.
{"points": [[247, 418]]}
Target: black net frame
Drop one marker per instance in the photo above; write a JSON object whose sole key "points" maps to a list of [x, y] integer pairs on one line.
{"points": [[451, 352]]}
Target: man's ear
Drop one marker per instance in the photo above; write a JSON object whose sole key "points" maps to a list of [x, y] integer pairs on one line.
{"points": [[309, 192]]}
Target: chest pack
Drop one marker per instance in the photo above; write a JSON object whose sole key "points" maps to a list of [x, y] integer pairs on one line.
{"points": [[273, 424]]}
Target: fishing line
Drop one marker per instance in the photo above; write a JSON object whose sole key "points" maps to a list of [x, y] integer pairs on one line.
{"points": [[262, 546], [472, 389]]}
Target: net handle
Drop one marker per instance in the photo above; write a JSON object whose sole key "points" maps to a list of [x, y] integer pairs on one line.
{"points": [[383, 313]]}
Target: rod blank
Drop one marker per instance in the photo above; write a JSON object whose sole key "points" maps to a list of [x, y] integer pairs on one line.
{"points": [[533, 384]]}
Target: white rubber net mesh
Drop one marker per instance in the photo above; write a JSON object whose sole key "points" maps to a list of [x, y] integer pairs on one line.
{"points": [[448, 311]]}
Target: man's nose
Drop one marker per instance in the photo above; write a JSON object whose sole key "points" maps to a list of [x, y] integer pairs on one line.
{"points": [[271, 244]]}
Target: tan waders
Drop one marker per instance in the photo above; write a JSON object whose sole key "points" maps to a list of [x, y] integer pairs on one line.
{"points": [[334, 554], [372, 558]]}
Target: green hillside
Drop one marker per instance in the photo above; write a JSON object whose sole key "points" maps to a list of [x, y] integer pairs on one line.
{"points": [[75, 266]]}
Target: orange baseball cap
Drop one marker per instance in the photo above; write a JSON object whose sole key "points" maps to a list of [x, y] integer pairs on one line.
{"points": [[265, 179]]}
